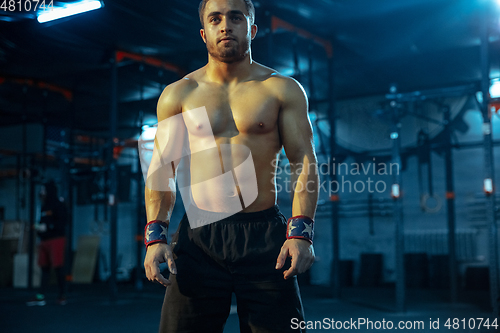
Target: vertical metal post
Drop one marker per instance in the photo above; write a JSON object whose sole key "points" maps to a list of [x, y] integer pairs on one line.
{"points": [[44, 132], [18, 186], [67, 190], [140, 203], [140, 224], [489, 161], [332, 119], [24, 155], [296, 59], [71, 184], [450, 205], [310, 77], [398, 209], [68, 262], [31, 254], [112, 179], [270, 54], [25, 174], [371, 214]]}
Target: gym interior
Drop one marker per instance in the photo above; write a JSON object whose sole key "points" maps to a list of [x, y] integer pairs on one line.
{"points": [[404, 102]]}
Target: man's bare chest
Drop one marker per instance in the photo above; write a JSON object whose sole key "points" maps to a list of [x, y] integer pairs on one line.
{"points": [[241, 111]]}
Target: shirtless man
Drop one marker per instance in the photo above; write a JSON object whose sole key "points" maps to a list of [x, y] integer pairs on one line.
{"points": [[245, 109]]}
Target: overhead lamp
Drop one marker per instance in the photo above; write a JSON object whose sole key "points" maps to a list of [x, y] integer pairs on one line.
{"points": [[488, 186], [68, 10], [495, 87], [395, 193], [148, 132]]}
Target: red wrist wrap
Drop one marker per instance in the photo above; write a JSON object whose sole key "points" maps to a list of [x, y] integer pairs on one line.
{"points": [[155, 231], [301, 227]]}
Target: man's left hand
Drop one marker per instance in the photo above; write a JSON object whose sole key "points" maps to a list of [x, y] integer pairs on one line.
{"points": [[302, 253]]}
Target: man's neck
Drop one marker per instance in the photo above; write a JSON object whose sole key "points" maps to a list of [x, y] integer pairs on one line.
{"points": [[231, 73]]}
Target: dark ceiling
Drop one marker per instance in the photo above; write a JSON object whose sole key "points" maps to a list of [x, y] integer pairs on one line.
{"points": [[418, 44]]}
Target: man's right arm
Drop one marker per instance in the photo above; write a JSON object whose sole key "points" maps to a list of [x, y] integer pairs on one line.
{"points": [[160, 187]]}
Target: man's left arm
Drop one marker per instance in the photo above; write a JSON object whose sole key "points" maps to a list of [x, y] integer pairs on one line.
{"points": [[297, 139]]}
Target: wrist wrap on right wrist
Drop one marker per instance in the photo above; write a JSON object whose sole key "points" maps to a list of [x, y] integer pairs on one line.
{"points": [[300, 227], [156, 231]]}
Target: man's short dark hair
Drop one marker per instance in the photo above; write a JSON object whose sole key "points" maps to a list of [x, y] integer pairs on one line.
{"points": [[248, 4]]}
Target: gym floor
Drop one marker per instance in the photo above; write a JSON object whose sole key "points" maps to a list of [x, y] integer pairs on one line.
{"points": [[89, 309]]}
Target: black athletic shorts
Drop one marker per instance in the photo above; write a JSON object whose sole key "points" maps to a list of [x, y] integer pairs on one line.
{"points": [[235, 255]]}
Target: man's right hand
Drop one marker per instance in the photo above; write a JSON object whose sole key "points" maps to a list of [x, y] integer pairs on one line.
{"points": [[155, 255]]}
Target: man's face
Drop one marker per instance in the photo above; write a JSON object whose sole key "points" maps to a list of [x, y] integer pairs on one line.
{"points": [[227, 30]]}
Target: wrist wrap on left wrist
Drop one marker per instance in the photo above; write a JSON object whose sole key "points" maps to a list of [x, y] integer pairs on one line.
{"points": [[156, 231], [300, 227]]}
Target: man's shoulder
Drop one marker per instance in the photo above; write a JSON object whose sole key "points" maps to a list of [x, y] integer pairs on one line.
{"points": [[179, 87], [170, 101], [264, 73], [276, 79], [284, 86]]}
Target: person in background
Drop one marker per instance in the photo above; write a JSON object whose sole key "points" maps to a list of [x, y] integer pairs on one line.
{"points": [[52, 233]]}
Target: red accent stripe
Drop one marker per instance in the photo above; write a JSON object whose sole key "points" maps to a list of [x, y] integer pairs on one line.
{"points": [[300, 237], [155, 241], [277, 23], [334, 197], [121, 55], [157, 221], [288, 227]]}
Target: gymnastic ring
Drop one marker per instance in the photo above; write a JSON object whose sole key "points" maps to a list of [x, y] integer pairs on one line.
{"points": [[426, 208]]}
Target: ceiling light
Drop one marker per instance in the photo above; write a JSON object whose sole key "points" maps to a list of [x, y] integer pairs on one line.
{"points": [[148, 132], [68, 10], [395, 191], [495, 88], [488, 186]]}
